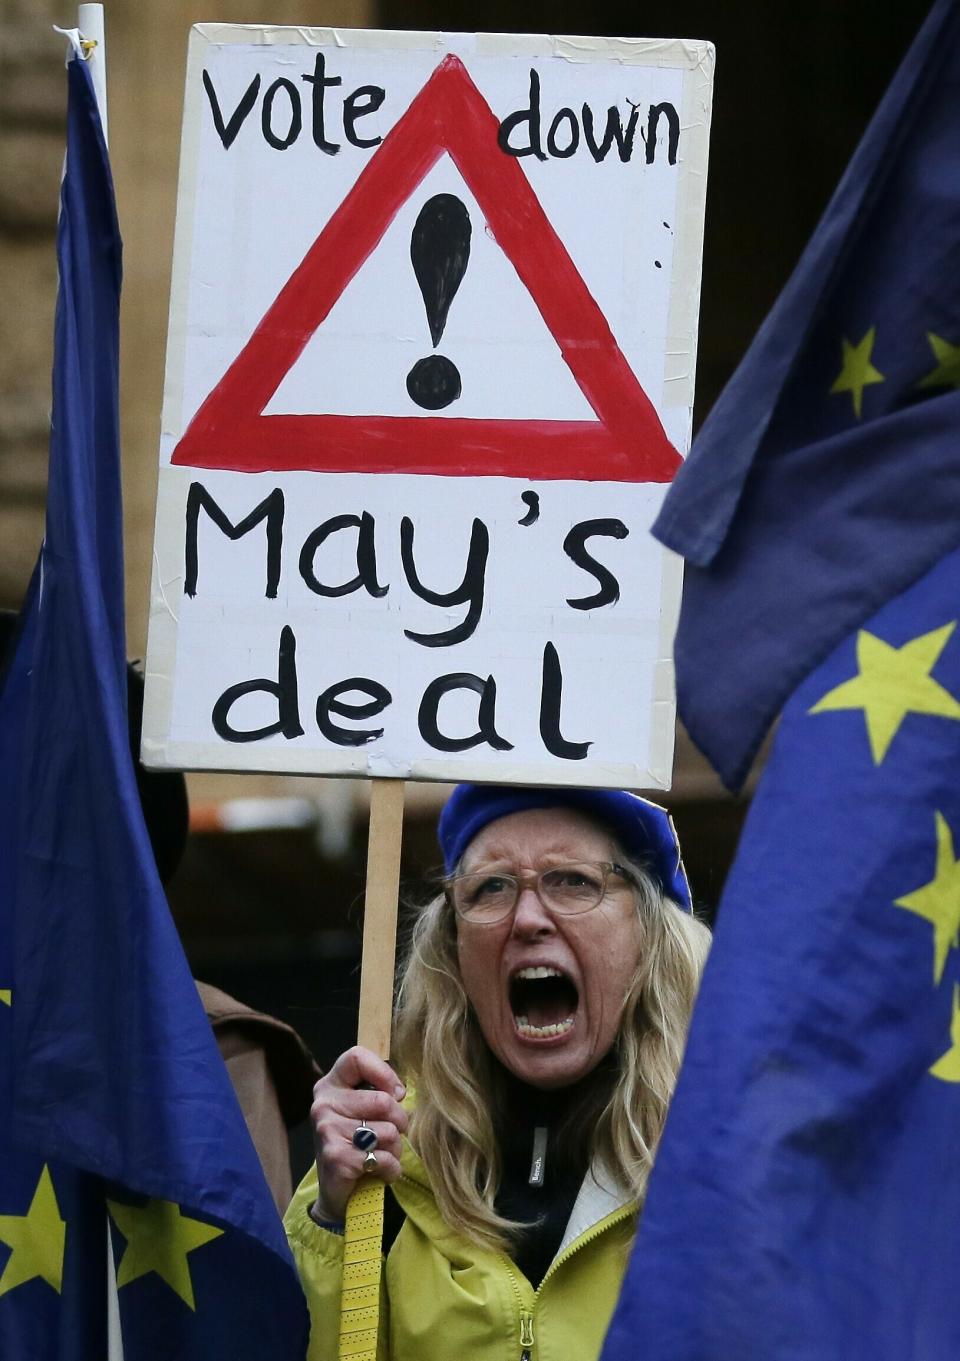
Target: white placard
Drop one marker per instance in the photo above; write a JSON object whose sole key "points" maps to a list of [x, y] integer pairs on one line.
{"points": [[429, 373]]}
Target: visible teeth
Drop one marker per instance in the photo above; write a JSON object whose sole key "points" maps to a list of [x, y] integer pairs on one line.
{"points": [[539, 1032], [541, 971]]}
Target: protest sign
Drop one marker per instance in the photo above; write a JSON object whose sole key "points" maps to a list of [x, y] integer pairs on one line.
{"points": [[430, 371]]}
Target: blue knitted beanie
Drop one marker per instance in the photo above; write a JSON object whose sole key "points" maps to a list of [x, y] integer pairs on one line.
{"points": [[642, 828]]}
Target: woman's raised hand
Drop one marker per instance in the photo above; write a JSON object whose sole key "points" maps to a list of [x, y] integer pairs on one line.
{"points": [[359, 1087]]}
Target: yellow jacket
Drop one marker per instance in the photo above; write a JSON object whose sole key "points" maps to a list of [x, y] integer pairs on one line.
{"points": [[449, 1300]]}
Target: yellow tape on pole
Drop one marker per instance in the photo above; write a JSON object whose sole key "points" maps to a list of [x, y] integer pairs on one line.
{"points": [[362, 1263], [363, 1232]]}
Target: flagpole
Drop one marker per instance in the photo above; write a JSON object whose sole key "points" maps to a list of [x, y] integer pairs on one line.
{"points": [[114, 1330], [93, 42], [91, 26]]}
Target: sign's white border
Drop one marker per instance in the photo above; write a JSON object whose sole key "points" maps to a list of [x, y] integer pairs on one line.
{"points": [[695, 61]]}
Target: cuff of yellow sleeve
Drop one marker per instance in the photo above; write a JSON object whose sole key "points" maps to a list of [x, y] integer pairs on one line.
{"points": [[303, 1232]]}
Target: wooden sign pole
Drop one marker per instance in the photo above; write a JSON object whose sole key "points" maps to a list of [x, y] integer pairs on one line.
{"points": [[380, 916], [360, 1292]]}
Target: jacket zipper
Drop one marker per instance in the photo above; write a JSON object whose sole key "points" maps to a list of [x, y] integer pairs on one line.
{"points": [[624, 1212], [526, 1317], [527, 1336]]}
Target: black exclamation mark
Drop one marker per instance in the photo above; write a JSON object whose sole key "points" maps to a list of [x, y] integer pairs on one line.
{"points": [[439, 251]]}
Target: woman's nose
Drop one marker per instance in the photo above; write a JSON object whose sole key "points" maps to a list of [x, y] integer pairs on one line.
{"points": [[530, 917]]}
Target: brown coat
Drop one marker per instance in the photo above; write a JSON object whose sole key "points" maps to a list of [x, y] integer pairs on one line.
{"points": [[272, 1072]]}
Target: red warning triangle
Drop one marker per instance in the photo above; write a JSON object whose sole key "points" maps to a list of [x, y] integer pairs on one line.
{"points": [[625, 444]]}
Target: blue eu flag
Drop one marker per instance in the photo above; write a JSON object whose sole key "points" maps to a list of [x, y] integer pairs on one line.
{"points": [[134, 1216], [805, 1203], [826, 478]]}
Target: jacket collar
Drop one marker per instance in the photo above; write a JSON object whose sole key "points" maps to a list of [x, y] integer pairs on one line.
{"points": [[601, 1194]]}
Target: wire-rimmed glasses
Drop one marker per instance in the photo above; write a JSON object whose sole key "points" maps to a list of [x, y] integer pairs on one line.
{"points": [[488, 896]]}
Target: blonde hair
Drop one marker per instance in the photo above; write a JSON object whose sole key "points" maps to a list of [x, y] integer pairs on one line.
{"points": [[441, 1051]]}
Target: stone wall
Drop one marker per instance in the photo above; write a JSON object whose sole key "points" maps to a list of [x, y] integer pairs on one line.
{"points": [[31, 154], [146, 55]]}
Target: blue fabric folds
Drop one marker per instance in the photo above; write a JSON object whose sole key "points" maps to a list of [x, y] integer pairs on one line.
{"points": [[805, 1200], [118, 1115], [827, 476]]}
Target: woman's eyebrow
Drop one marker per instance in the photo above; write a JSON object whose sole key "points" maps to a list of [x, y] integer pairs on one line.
{"points": [[508, 864]]}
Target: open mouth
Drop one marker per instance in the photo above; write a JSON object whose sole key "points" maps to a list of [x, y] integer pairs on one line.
{"points": [[543, 1001]]}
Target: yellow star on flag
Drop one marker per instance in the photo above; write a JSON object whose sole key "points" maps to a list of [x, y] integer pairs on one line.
{"points": [[857, 371], [38, 1240], [947, 372], [947, 1067], [939, 901], [159, 1238], [891, 683], [6, 996]]}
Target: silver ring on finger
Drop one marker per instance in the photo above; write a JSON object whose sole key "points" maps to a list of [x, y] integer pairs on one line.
{"points": [[370, 1162], [364, 1138]]}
